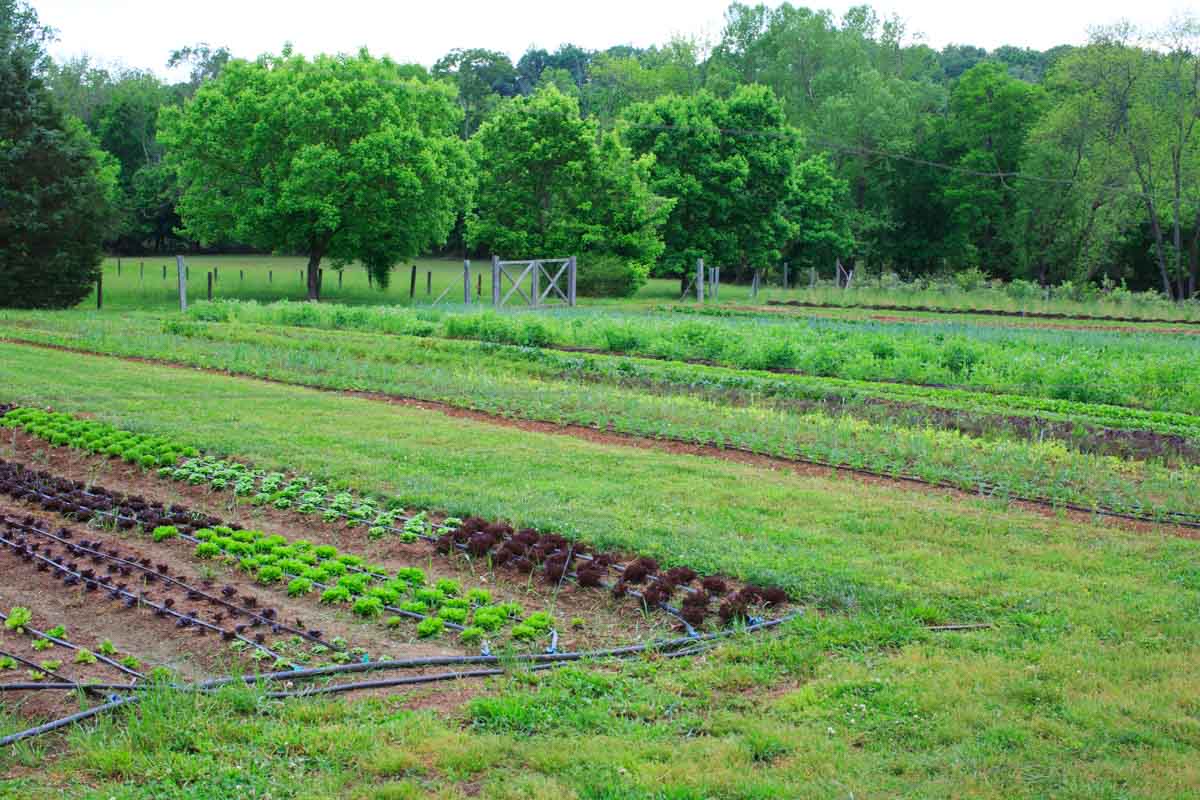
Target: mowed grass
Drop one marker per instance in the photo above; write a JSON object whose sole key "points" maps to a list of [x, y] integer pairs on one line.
{"points": [[139, 282], [1087, 687]]}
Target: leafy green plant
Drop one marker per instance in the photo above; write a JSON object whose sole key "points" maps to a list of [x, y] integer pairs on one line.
{"points": [[430, 627], [164, 532], [85, 657], [18, 618]]}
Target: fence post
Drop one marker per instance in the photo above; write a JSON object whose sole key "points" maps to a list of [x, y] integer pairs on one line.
{"points": [[142, 271], [100, 289], [699, 280], [754, 285], [118, 266], [496, 281], [785, 275], [535, 283], [241, 275], [412, 283], [210, 279], [320, 280], [466, 282], [182, 268], [216, 274], [716, 285], [479, 285], [370, 280], [572, 267], [270, 276], [164, 272], [812, 277]]}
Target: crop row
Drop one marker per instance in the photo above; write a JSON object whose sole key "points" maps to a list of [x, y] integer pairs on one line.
{"points": [[1119, 369], [1033, 470], [525, 551], [300, 566]]}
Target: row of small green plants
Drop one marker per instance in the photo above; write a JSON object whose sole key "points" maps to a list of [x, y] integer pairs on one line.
{"points": [[549, 363], [1145, 371], [95, 437], [303, 495], [304, 568], [18, 621]]}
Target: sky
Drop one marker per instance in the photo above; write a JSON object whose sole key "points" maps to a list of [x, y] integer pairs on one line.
{"points": [[142, 33]]}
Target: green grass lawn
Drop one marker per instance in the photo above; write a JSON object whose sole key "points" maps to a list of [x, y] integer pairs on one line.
{"points": [[1087, 687]]}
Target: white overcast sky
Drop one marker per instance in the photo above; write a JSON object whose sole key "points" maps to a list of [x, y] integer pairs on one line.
{"points": [[141, 33]]}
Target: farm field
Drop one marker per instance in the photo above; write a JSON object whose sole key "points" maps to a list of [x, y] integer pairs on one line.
{"points": [[142, 283], [1078, 686]]}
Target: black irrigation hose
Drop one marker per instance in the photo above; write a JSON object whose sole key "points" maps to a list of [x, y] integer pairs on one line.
{"points": [[71, 720], [115, 592], [31, 664], [64, 643]]}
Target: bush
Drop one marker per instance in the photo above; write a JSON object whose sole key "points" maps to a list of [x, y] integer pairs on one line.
{"points": [[609, 276]]}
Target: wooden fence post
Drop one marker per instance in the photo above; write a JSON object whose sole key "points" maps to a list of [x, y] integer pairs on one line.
{"points": [[572, 268], [785, 275], [241, 275], [466, 282], [216, 274], [479, 285], [812, 277], [535, 284], [700, 280], [100, 289], [412, 283], [496, 281], [270, 276], [428, 282], [340, 278], [118, 266], [210, 280], [142, 271], [182, 269]]}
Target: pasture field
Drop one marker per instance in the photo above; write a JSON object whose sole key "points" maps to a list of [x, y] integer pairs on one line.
{"points": [[1022, 624], [141, 282]]}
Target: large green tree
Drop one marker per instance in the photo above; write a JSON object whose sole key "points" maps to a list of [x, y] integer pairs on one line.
{"points": [[731, 167], [551, 185], [55, 190], [336, 157]]}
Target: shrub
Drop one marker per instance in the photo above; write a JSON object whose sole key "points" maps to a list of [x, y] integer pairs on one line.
{"points": [[609, 276]]}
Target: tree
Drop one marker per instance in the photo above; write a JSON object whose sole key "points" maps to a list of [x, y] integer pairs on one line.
{"points": [[54, 191], [550, 185], [482, 78], [730, 165], [817, 208], [991, 113], [1148, 87], [336, 157]]}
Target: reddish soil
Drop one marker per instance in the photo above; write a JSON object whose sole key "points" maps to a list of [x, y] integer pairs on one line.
{"points": [[616, 439]]}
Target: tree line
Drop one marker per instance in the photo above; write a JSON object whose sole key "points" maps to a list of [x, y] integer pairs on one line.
{"points": [[796, 136]]}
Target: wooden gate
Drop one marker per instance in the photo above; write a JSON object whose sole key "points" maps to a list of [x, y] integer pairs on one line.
{"points": [[533, 281]]}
